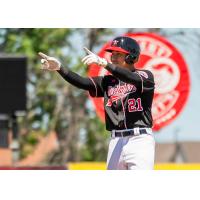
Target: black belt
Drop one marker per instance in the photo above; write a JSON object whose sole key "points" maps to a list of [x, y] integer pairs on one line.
{"points": [[128, 133]]}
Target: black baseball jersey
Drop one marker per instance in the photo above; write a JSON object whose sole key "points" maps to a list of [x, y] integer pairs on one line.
{"points": [[128, 95]]}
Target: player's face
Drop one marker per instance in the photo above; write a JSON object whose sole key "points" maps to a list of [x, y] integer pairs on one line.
{"points": [[118, 58]]}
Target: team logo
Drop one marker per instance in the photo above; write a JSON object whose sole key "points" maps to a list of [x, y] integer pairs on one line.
{"points": [[172, 82], [144, 74], [119, 92], [114, 43]]}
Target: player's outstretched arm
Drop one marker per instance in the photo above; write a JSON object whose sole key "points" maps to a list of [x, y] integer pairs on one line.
{"points": [[53, 64], [121, 73]]}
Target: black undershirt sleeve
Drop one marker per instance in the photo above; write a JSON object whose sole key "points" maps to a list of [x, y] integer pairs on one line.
{"points": [[124, 74], [75, 79]]}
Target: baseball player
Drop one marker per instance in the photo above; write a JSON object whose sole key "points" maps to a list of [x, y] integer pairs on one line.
{"points": [[128, 95]]}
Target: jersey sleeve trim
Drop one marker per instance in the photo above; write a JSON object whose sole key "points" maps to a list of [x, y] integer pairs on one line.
{"points": [[142, 82]]}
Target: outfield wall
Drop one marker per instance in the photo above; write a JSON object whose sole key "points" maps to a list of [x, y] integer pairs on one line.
{"points": [[102, 166]]}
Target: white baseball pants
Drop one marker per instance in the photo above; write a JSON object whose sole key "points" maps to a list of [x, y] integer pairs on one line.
{"points": [[131, 152]]}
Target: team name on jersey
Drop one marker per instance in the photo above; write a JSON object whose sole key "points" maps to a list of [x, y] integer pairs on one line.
{"points": [[115, 93], [121, 90]]}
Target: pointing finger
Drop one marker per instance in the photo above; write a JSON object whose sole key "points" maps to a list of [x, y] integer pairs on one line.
{"points": [[87, 50], [42, 55]]}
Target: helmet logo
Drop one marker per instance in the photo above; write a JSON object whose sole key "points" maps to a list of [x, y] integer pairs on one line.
{"points": [[115, 43]]}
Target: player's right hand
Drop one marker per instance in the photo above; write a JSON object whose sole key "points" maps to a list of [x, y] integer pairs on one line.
{"points": [[49, 63], [92, 58]]}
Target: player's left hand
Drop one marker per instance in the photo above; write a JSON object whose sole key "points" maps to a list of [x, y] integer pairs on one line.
{"points": [[92, 58]]}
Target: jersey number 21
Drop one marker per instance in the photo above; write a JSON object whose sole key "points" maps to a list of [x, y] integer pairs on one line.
{"points": [[135, 105]]}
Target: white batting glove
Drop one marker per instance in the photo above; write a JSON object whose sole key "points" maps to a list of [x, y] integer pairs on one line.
{"points": [[49, 63], [92, 58]]}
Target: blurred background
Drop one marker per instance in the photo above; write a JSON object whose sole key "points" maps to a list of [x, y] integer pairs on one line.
{"points": [[45, 123]]}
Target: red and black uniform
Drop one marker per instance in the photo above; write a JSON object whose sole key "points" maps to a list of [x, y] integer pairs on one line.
{"points": [[128, 95]]}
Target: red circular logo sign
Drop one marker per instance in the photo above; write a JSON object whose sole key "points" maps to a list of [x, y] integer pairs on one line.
{"points": [[172, 82]]}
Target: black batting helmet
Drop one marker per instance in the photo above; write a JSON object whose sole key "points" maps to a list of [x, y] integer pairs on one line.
{"points": [[125, 45]]}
